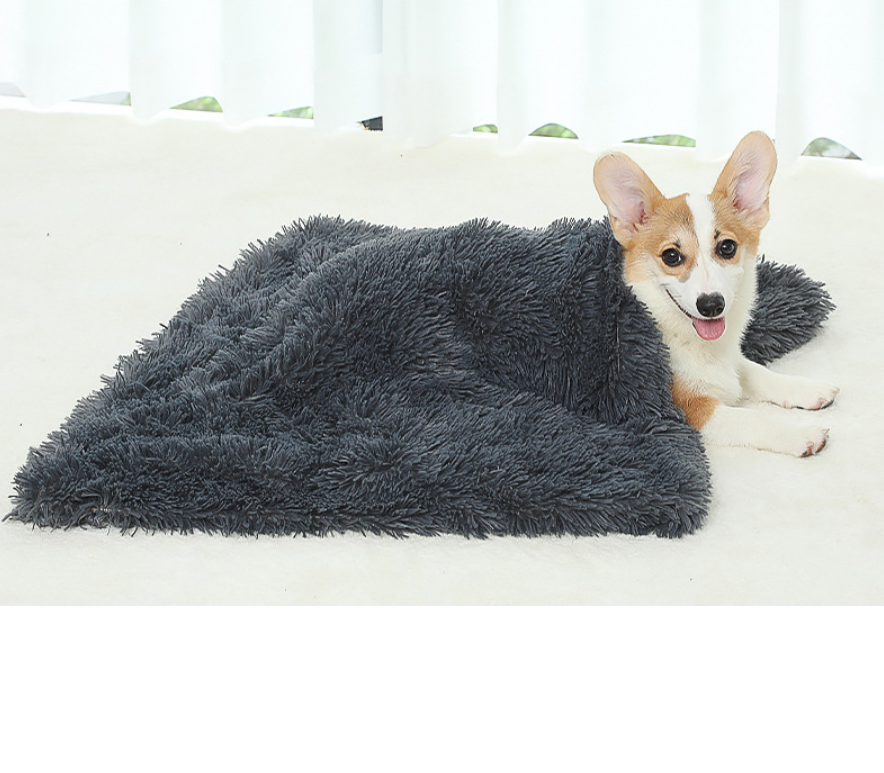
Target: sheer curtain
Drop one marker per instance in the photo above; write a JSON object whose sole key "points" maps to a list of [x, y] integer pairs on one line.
{"points": [[607, 69]]}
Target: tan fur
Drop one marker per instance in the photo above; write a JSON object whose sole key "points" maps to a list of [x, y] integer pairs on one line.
{"points": [[671, 225], [732, 225], [698, 409]]}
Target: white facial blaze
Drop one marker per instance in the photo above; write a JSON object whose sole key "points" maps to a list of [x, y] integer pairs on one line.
{"points": [[709, 276]]}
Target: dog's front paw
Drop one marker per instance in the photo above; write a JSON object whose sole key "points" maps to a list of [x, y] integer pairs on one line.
{"points": [[812, 441], [809, 395], [795, 441], [763, 429]]}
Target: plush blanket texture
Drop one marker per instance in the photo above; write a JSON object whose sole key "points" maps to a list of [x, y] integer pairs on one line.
{"points": [[478, 379]]}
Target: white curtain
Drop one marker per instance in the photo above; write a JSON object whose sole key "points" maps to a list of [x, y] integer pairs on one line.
{"points": [[608, 69]]}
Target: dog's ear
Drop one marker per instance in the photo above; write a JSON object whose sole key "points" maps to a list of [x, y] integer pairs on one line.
{"points": [[744, 183], [627, 192]]}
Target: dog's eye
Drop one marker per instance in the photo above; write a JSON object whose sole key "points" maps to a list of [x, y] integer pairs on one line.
{"points": [[672, 257], [727, 248]]}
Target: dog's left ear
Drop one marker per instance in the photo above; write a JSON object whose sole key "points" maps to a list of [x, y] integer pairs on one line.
{"points": [[744, 183]]}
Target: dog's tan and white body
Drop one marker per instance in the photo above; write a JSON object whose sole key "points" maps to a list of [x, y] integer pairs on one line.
{"points": [[691, 260]]}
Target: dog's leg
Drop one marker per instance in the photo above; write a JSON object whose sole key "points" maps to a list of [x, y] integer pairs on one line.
{"points": [[753, 428], [763, 385]]}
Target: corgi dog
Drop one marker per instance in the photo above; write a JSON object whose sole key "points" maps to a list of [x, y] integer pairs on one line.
{"points": [[691, 261]]}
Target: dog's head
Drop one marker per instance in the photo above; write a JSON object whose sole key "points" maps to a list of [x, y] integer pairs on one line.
{"points": [[691, 247]]}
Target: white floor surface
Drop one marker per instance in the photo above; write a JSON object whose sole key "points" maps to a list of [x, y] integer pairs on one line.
{"points": [[107, 225]]}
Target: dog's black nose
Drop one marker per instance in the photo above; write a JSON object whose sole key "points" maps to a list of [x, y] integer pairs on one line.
{"points": [[710, 305]]}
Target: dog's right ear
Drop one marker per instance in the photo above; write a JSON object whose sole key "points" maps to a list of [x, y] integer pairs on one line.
{"points": [[627, 192]]}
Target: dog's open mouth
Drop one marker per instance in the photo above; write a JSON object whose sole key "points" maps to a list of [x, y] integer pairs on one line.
{"points": [[707, 329]]}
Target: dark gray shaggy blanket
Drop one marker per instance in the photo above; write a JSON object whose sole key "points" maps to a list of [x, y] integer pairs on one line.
{"points": [[479, 379]]}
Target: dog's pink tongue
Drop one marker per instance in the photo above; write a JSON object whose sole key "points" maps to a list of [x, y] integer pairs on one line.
{"points": [[709, 329]]}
